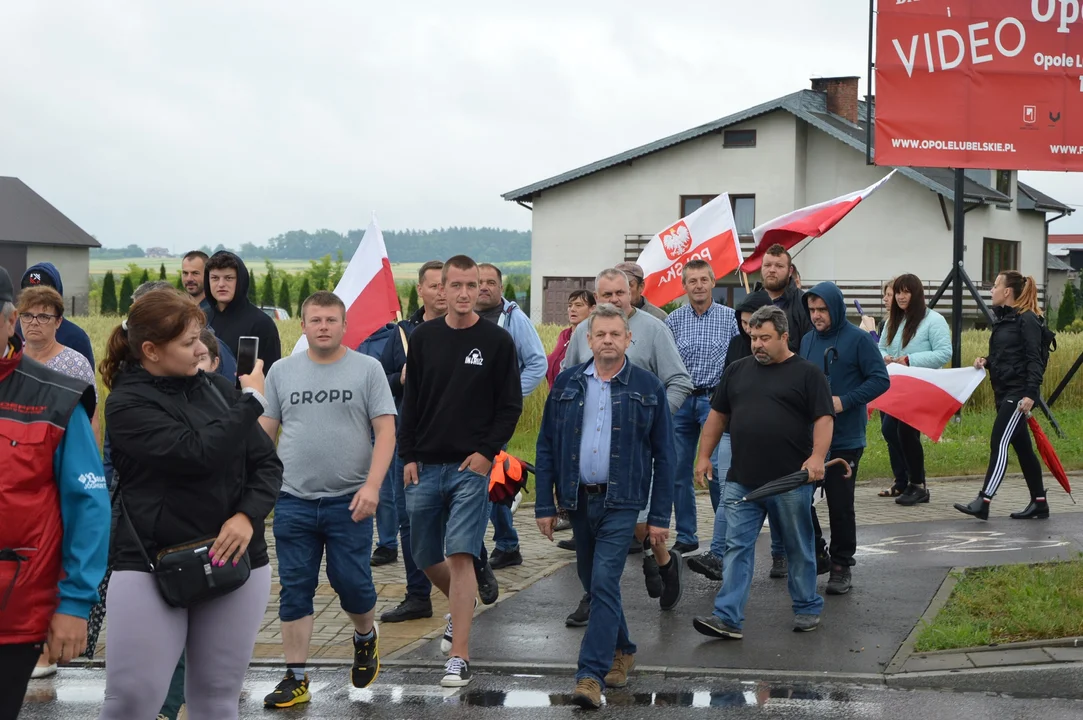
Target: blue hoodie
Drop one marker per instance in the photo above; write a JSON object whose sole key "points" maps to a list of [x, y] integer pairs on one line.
{"points": [[857, 377], [68, 334]]}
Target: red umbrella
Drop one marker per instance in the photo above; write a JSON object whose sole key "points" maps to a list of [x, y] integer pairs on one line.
{"points": [[1049, 456]]}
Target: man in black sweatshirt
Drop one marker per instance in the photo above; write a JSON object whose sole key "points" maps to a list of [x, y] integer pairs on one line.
{"points": [[230, 314], [461, 403]]}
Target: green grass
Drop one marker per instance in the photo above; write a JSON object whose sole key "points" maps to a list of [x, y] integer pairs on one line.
{"points": [[1010, 603]]}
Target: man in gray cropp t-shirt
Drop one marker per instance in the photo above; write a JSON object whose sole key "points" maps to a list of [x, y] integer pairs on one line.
{"points": [[326, 414]]}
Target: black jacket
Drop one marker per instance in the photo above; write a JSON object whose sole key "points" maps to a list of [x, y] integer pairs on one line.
{"points": [[187, 460], [792, 303], [242, 318], [1015, 356], [741, 344]]}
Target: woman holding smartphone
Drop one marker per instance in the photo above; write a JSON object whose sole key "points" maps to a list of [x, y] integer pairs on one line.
{"points": [[191, 463], [914, 336]]}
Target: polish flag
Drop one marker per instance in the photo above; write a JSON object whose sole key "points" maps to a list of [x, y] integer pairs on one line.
{"points": [[708, 234], [808, 222], [926, 399], [368, 289]]}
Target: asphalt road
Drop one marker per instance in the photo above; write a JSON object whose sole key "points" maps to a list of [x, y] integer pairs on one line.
{"points": [[76, 694]]}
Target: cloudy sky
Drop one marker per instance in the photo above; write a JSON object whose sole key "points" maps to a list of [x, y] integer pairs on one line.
{"points": [[182, 124]]}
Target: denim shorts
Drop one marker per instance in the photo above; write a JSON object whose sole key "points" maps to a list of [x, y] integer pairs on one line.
{"points": [[449, 511], [302, 529]]}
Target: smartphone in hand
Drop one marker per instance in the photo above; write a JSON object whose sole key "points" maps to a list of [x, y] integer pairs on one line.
{"points": [[858, 306], [247, 352]]}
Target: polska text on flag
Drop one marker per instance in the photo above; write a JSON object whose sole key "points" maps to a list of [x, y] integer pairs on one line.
{"points": [[924, 398], [708, 234], [807, 222], [368, 290]]}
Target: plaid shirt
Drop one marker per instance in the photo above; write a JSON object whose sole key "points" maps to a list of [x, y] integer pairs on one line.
{"points": [[703, 340]]}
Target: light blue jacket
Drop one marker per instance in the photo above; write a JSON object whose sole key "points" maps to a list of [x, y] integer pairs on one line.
{"points": [[528, 346], [929, 348]]}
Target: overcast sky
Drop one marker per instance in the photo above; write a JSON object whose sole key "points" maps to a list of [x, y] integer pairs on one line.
{"points": [[183, 124]]}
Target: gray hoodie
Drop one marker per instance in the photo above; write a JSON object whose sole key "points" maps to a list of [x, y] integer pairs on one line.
{"points": [[652, 348]]}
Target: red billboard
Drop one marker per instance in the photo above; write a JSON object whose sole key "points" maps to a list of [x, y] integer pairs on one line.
{"points": [[980, 84]]}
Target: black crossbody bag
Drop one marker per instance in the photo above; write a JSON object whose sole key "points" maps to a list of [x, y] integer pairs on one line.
{"points": [[185, 573]]}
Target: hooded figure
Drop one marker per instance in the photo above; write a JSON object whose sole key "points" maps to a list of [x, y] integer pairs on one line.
{"points": [[68, 334], [240, 317], [741, 343], [857, 375]]}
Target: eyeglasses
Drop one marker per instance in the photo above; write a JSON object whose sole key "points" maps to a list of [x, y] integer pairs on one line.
{"points": [[40, 318]]}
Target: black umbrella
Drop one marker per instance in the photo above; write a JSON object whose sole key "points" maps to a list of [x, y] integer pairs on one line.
{"points": [[789, 482]]}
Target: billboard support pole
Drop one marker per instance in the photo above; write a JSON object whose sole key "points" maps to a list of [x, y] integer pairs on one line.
{"points": [[956, 268], [868, 88]]}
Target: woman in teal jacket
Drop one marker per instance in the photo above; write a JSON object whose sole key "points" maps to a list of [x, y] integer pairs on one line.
{"points": [[918, 337]]}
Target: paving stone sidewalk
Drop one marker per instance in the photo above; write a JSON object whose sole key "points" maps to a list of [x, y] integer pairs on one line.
{"points": [[333, 630]]}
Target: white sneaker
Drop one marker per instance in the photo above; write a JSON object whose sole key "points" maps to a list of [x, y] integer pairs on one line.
{"points": [[445, 642], [516, 501], [42, 671], [456, 673]]}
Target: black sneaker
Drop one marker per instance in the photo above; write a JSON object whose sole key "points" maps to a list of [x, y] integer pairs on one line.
{"points": [[823, 562], [912, 495], [671, 581], [581, 616], [779, 567], [684, 548], [289, 692], [488, 588], [366, 660], [712, 626], [839, 583], [651, 576], [449, 632], [456, 673], [501, 559], [412, 608], [707, 564], [568, 544], [383, 556]]}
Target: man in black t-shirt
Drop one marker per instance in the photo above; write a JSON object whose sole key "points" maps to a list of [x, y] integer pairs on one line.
{"points": [[777, 408], [460, 405]]}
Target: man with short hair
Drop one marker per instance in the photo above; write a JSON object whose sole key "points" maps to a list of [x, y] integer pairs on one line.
{"points": [[328, 402], [779, 283], [857, 376], [777, 407], [604, 490], [68, 333], [652, 348], [703, 330], [230, 314], [192, 267], [54, 516], [461, 404], [634, 271], [492, 306], [418, 601]]}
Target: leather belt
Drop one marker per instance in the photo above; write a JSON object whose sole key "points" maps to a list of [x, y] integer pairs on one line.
{"points": [[704, 391], [599, 489]]}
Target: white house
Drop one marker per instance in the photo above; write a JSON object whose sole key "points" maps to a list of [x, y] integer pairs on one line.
{"points": [[794, 151]]}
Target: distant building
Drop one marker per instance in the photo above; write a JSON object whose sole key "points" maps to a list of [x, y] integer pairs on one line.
{"points": [[158, 252], [796, 150], [33, 231], [1068, 248]]}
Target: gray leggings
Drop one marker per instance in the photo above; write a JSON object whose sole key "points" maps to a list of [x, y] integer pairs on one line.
{"points": [[146, 637]]}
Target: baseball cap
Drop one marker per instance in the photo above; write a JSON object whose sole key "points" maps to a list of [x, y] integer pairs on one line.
{"points": [[37, 277], [630, 268], [7, 290]]}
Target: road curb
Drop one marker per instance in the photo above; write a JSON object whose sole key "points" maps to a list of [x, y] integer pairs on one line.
{"points": [[940, 599]]}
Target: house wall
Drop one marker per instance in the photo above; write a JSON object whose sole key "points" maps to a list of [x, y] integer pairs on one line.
{"points": [[74, 266]]}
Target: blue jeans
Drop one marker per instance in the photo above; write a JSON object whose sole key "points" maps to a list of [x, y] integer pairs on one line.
{"points": [[717, 486], [687, 426], [601, 548], [504, 536], [744, 522], [417, 583], [387, 517], [449, 511], [302, 529]]}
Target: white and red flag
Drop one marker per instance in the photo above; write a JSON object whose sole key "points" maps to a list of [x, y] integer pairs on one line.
{"points": [[368, 289], [925, 399], [807, 222], [708, 234]]}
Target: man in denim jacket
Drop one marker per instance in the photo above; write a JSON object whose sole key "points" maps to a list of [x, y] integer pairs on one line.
{"points": [[605, 428]]}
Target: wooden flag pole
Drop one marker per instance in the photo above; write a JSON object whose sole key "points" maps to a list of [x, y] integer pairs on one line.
{"points": [[744, 277], [402, 333]]}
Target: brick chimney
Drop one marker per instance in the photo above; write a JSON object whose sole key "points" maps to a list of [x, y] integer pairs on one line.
{"points": [[841, 95]]}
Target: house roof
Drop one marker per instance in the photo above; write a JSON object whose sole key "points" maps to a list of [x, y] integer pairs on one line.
{"points": [[1066, 239], [811, 107], [27, 218], [1055, 263]]}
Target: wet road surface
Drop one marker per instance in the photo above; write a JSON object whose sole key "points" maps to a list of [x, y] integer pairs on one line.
{"points": [[415, 695]]}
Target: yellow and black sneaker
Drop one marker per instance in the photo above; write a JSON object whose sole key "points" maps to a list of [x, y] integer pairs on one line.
{"points": [[366, 660], [289, 692]]}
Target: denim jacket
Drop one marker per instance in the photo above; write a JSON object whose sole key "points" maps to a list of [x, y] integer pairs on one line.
{"points": [[642, 442]]}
